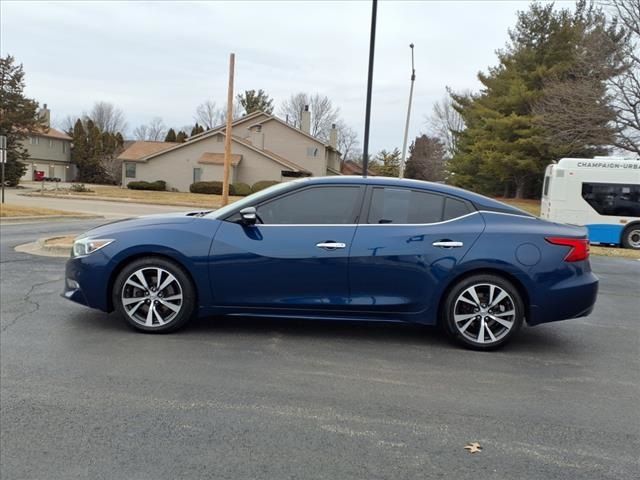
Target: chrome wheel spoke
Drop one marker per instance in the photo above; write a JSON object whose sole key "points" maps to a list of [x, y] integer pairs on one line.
{"points": [[133, 283], [466, 300], [503, 314], [474, 294], [154, 282], [171, 306], [480, 338], [505, 323], [501, 296], [168, 281], [149, 320], [491, 335], [462, 318], [466, 325]]}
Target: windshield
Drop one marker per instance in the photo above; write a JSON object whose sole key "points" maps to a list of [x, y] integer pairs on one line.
{"points": [[250, 200]]}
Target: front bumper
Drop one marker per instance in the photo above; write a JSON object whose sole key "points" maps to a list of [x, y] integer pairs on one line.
{"points": [[87, 281]]}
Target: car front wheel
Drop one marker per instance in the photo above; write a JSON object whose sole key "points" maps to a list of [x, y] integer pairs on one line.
{"points": [[154, 295], [483, 312]]}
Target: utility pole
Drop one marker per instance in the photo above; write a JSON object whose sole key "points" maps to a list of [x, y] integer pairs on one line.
{"points": [[3, 159], [406, 126], [367, 115], [227, 138]]}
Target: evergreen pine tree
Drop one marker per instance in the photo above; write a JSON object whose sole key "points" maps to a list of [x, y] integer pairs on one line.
{"points": [[171, 136], [17, 119], [426, 159], [181, 137], [253, 101]]}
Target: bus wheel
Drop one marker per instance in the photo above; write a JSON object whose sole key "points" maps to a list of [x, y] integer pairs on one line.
{"points": [[631, 237]]}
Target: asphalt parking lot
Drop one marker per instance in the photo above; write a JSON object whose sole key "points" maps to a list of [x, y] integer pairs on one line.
{"points": [[83, 396]]}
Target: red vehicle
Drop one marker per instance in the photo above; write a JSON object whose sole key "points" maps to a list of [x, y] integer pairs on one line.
{"points": [[38, 175]]}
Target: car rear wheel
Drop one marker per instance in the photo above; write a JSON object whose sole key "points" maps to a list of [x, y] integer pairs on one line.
{"points": [[483, 312], [631, 237], [154, 295]]}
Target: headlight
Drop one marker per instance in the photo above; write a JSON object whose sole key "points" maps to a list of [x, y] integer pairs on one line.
{"points": [[85, 246]]}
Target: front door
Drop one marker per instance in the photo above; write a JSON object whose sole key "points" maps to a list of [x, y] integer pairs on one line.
{"points": [[295, 257], [405, 247]]}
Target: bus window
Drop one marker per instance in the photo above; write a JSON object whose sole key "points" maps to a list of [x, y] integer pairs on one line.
{"points": [[613, 199], [545, 188]]}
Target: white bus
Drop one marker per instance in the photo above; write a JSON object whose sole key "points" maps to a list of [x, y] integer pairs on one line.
{"points": [[602, 194]]}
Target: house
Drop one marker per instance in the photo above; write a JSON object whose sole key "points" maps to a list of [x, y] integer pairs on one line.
{"points": [[263, 147], [349, 167], [49, 151]]}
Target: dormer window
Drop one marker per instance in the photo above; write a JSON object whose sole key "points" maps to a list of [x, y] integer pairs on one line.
{"points": [[312, 151]]}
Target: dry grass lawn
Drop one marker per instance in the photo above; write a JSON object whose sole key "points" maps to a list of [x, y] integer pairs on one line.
{"points": [[8, 210], [181, 199]]}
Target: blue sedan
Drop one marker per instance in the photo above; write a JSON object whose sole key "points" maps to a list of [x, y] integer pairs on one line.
{"points": [[341, 248]]}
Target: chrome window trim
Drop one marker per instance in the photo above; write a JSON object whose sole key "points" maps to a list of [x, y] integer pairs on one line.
{"points": [[390, 224]]}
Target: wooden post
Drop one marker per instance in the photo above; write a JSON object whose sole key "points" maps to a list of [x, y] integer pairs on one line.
{"points": [[227, 138]]}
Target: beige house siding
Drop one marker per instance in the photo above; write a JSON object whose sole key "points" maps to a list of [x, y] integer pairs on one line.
{"points": [[51, 155], [293, 146], [176, 166]]}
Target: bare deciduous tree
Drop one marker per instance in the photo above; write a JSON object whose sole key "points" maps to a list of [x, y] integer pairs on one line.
{"points": [[445, 123], [153, 131], [323, 113], [107, 117], [209, 115], [625, 88], [347, 141]]}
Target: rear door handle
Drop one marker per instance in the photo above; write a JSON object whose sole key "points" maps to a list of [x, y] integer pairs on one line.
{"points": [[331, 245], [447, 244]]}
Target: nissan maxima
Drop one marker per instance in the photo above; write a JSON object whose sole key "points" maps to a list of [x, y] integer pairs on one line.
{"points": [[341, 248]]}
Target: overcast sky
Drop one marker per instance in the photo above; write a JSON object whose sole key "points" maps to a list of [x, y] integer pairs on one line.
{"points": [[164, 58]]}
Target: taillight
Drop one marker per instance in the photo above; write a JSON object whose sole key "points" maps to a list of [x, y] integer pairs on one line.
{"points": [[579, 247]]}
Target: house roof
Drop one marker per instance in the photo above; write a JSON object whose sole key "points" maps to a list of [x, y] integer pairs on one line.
{"points": [[137, 151], [218, 158], [51, 133], [217, 128], [269, 154], [350, 167]]}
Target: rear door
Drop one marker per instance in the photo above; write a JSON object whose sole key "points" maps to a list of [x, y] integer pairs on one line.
{"points": [[295, 257], [405, 247]]}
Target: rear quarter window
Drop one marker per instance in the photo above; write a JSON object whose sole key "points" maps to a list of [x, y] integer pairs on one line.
{"points": [[454, 208]]}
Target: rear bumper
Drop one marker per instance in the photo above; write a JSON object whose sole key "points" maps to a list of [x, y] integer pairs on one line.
{"points": [[572, 298]]}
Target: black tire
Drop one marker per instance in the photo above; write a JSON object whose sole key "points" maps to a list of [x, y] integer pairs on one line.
{"points": [[154, 304], [472, 321], [631, 237]]}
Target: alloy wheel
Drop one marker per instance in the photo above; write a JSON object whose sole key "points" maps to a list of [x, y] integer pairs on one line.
{"points": [[633, 237], [152, 297], [484, 313]]}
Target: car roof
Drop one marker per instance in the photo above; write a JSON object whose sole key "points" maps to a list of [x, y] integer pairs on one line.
{"points": [[480, 201]]}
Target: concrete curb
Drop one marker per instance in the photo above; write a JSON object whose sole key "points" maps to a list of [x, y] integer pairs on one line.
{"points": [[39, 218], [39, 248]]}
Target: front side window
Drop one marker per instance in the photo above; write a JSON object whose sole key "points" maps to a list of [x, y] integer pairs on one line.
{"points": [[613, 199], [400, 205], [316, 205], [130, 170]]}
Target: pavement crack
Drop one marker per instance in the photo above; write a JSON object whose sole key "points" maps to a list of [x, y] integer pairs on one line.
{"points": [[27, 299]]}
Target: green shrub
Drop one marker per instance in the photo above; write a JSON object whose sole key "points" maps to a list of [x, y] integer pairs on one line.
{"points": [[240, 189], [211, 188], [262, 184], [79, 187], [158, 185]]}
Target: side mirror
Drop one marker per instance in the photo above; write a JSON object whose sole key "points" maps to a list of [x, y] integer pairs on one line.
{"points": [[249, 215]]}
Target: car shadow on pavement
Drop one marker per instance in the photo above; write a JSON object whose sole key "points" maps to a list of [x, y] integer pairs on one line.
{"points": [[529, 340]]}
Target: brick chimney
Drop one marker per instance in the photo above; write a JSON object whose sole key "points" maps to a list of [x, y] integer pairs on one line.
{"points": [[333, 136], [45, 115], [305, 121], [256, 136]]}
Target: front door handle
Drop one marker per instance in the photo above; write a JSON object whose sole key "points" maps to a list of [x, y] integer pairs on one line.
{"points": [[329, 245], [447, 244]]}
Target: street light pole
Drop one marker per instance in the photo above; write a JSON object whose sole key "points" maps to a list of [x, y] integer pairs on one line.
{"points": [[406, 126], [367, 115], [3, 159]]}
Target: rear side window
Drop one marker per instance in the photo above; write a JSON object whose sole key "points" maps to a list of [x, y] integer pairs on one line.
{"points": [[613, 199], [318, 205], [399, 205], [455, 208]]}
